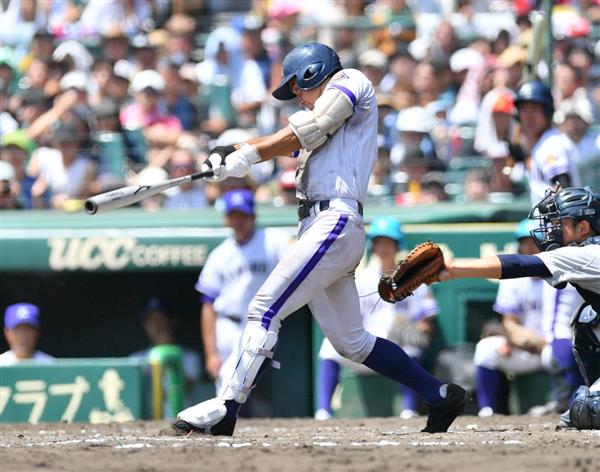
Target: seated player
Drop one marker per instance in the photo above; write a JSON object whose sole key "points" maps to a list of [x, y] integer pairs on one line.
{"points": [[537, 336]]}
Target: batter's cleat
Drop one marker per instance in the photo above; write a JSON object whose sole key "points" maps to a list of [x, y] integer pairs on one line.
{"points": [[442, 414], [215, 417]]}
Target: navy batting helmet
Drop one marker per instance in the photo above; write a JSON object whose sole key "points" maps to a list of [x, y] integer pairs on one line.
{"points": [[536, 92], [572, 202], [310, 64]]}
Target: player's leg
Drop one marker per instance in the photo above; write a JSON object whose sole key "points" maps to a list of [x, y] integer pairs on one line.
{"points": [[410, 399], [332, 246], [489, 379], [327, 379], [564, 372], [228, 336], [338, 314]]}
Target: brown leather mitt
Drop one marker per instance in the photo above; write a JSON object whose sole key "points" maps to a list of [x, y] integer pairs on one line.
{"points": [[421, 266]]}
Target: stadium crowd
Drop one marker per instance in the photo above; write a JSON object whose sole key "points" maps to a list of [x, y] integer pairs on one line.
{"points": [[97, 94]]}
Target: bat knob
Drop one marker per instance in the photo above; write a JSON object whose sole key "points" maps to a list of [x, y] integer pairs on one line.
{"points": [[90, 207]]}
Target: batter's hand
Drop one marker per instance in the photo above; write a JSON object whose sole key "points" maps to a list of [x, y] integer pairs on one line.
{"points": [[213, 365], [226, 161]]}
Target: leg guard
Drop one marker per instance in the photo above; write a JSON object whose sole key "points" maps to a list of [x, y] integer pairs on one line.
{"points": [[218, 415], [586, 343], [585, 409], [256, 346]]}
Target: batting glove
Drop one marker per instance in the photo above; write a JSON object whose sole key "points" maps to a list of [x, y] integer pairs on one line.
{"points": [[226, 161]]}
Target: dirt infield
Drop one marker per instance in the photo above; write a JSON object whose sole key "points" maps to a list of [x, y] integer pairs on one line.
{"points": [[507, 444]]}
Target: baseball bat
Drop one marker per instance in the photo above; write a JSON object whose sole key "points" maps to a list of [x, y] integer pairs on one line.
{"points": [[126, 196], [536, 44]]}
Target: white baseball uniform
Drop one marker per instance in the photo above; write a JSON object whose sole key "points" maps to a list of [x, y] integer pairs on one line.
{"points": [[540, 308], [552, 155], [379, 317], [232, 275], [319, 267]]}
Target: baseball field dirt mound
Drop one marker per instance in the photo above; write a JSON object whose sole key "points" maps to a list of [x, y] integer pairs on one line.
{"points": [[502, 443]]}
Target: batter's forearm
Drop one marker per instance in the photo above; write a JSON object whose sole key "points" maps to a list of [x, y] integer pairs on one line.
{"points": [[282, 143]]}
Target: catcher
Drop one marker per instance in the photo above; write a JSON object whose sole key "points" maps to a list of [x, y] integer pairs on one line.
{"points": [[569, 238]]}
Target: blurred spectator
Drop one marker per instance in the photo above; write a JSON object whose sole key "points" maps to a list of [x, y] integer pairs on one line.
{"points": [[16, 149], [22, 333], [178, 103], [115, 44], [372, 63], [181, 29], [148, 110], [574, 116], [151, 175], [20, 21], [230, 80], [496, 146], [64, 169], [160, 325], [401, 69], [254, 48], [188, 195], [9, 188], [287, 189], [99, 15], [413, 126], [477, 185], [433, 188]]}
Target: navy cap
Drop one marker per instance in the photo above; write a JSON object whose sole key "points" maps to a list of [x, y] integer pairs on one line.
{"points": [[21, 313], [239, 200]]}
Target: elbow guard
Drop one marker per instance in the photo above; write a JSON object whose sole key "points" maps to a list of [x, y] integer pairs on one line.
{"points": [[313, 127]]}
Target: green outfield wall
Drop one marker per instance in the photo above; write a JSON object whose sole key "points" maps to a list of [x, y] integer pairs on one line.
{"points": [[91, 276]]}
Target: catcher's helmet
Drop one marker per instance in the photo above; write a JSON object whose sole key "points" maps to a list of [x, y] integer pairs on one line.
{"points": [[387, 226], [310, 64], [572, 202], [537, 92]]}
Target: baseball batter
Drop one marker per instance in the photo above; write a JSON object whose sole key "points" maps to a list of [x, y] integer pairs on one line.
{"points": [[239, 265], [336, 134], [537, 335], [569, 236], [407, 322], [553, 155]]}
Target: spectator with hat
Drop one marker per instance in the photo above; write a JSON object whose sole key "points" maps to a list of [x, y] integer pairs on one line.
{"points": [[190, 194], [240, 265], [575, 117], [63, 169], [16, 149], [22, 333], [148, 110]]}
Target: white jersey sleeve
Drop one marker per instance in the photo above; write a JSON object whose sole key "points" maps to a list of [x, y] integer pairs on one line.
{"points": [[508, 302], [421, 305], [209, 282], [577, 264], [350, 84]]}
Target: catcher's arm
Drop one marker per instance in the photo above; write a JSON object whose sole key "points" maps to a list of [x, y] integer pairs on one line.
{"points": [[504, 266]]}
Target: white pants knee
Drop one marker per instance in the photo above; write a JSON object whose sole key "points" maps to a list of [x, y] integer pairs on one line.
{"points": [[319, 271]]}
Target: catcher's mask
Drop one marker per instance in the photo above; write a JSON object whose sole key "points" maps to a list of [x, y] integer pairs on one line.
{"points": [[575, 203]]}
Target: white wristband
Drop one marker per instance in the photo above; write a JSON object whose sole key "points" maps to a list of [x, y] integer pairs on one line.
{"points": [[250, 152]]}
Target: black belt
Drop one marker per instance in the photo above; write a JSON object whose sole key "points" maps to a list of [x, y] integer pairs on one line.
{"points": [[304, 207]]}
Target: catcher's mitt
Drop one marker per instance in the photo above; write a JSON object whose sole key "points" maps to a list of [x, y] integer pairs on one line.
{"points": [[422, 265]]}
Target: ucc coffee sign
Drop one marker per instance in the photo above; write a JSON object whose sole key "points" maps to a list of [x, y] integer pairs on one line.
{"points": [[96, 253]]}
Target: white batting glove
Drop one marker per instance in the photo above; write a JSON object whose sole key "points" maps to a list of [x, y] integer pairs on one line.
{"points": [[226, 161]]}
